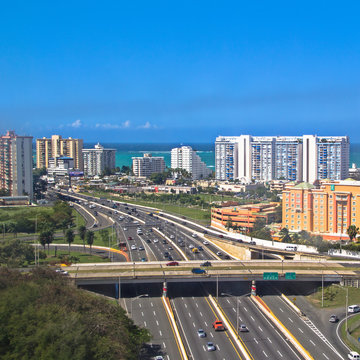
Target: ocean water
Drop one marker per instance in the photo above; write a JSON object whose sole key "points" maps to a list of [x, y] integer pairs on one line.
{"points": [[125, 152]]}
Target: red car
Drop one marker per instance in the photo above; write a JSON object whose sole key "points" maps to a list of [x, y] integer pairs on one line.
{"points": [[172, 263], [221, 236], [129, 238]]}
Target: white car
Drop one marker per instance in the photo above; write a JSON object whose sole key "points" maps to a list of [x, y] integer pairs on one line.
{"points": [[191, 246], [210, 346], [353, 308], [125, 229], [172, 237], [353, 355], [133, 247], [194, 235], [205, 242], [219, 253], [156, 241]]}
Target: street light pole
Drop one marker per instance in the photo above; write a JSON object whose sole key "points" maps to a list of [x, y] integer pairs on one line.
{"points": [[347, 301], [322, 289]]}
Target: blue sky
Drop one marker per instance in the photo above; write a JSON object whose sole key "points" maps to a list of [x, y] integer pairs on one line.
{"points": [[179, 71]]}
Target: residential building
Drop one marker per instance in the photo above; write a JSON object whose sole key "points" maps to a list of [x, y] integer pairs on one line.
{"points": [[327, 210], [55, 147], [242, 217], [98, 159], [16, 164], [147, 165], [60, 166], [186, 158], [305, 158]]}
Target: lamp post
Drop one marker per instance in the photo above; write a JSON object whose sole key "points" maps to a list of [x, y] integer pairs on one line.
{"points": [[138, 297]]}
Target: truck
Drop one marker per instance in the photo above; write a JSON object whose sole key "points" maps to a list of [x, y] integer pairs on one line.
{"points": [[218, 325]]}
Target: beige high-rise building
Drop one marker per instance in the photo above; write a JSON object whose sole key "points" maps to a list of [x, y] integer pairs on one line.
{"points": [[57, 147]]}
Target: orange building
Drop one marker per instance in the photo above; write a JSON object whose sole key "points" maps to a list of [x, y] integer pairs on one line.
{"points": [[243, 216], [327, 210]]}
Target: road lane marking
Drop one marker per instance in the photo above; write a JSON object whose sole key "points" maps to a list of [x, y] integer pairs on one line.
{"points": [[290, 319], [280, 353], [160, 332], [211, 334], [201, 313], [218, 347], [264, 353], [145, 323], [189, 315], [193, 324], [142, 314], [269, 340], [300, 330], [281, 309], [325, 356], [245, 308], [154, 313], [234, 309], [157, 323], [164, 345], [260, 328], [252, 318], [185, 306], [256, 341], [205, 323], [312, 342]]}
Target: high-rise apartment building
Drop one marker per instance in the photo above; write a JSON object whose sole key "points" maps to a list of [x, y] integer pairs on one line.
{"points": [[186, 158], [147, 165], [58, 147], [328, 210], [292, 158], [98, 159], [16, 164]]}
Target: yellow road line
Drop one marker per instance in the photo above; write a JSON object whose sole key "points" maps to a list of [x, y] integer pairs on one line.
{"points": [[231, 342]]}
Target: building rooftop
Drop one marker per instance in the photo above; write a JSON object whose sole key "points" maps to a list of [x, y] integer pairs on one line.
{"points": [[304, 186]]}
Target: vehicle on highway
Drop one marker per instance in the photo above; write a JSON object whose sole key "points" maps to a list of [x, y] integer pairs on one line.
{"points": [[156, 241], [206, 263], [191, 246], [170, 248], [353, 308], [133, 247], [201, 333], [200, 248], [221, 236], [198, 271], [139, 232], [166, 254], [205, 242], [194, 235], [227, 257], [170, 258], [353, 355], [219, 253], [148, 241], [172, 263], [95, 213], [218, 325], [252, 242], [61, 271], [172, 237], [210, 346], [205, 232], [164, 241], [130, 238], [143, 259], [141, 248], [243, 328], [291, 248], [333, 319], [195, 250], [182, 244], [125, 229]]}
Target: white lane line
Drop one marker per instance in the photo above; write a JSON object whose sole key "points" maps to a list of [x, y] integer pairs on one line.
{"points": [[245, 308], [157, 323], [205, 323], [281, 309], [196, 304], [201, 313], [140, 305], [185, 306], [256, 341], [211, 334], [204, 348], [193, 324], [228, 301], [260, 328], [189, 315], [300, 330], [164, 345], [234, 309], [325, 356], [280, 353], [152, 304], [290, 319], [312, 342], [218, 347], [145, 323], [264, 353], [142, 314], [252, 318], [160, 332], [154, 313], [269, 340]]}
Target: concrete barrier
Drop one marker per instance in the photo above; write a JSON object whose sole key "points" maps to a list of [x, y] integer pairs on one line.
{"points": [[171, 317], [291, 304]]}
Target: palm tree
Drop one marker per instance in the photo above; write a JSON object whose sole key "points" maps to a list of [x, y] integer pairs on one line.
{"points": [[352, 231], [49, 238], [82, 233], [90, 238], [42, 238], [69, 235]]}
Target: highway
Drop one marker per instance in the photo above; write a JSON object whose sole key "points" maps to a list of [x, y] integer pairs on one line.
{"points": [[312, 339], [194, 312], [263, 340]]}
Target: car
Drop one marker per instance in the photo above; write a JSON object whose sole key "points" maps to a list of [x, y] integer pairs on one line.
{"points": [[194, 235], [164, 242], [172, 263], [210, 346], [205, 242], [201, 333], [156, 241], [150, 230], [353, 355], [200, 248], [353, 308], [243, 328], [172, 237], [141, 248], [198, 271], [183, 223], [130, 238], [227, 257], [333, 319], [170, 248], [218, 325], [148, 241], [159, 357], [205, 232], [221, 236], [133, 247], [62, 272], [143, 259], [206, 263], [170, 258], [166, 254], [219, 253], [125, 228], [252, 242], [191, 246], [182, 244]]}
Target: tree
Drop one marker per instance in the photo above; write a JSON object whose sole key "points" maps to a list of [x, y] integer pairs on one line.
{"points": [[82, 233], [104, 234], [46, 237], [284, 231], [352, 231], [42, 238], [90, 238], [69, 236], [229, 224]]}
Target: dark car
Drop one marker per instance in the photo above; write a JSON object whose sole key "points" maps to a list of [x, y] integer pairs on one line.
{"points": [[130, 238], [198, 271], [227, 257], [221, 236], [206, 263], [205, 232]]}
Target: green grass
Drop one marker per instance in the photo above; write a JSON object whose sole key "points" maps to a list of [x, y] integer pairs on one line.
{"points": [[334, 296], [355, 333], [82, 257]]}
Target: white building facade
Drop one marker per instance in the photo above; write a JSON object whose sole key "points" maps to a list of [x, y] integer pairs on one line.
{"points": [[98, 159], [147, 165], [303, 158], [186, 158]]}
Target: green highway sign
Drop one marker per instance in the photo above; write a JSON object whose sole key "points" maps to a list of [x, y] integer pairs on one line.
{"points": [[270, 276], [290, 276]]}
